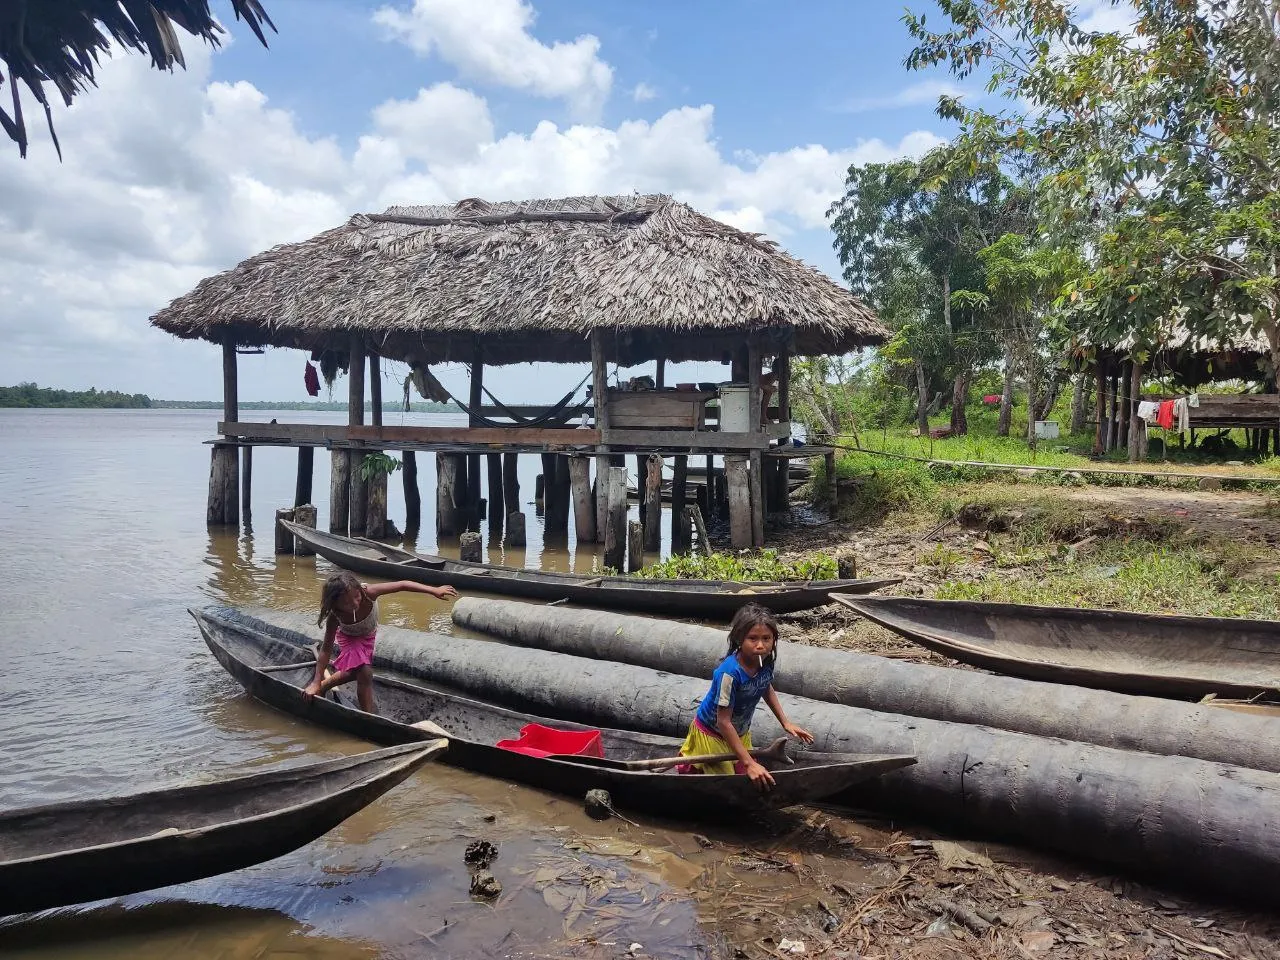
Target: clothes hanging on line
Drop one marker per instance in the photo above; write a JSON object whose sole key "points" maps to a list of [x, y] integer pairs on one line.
{"points": [[1147, 410], [312, 380], [1165, 417]]}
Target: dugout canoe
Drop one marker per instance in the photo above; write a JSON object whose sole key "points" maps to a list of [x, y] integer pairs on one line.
{"points": [[259, 658], [66, 853], [712, 599], [1146, 653]]}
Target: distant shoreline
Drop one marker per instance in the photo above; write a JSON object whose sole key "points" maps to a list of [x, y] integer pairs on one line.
{"points": [[32, 396]]}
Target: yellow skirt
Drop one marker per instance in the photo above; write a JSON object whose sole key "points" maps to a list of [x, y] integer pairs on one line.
{"points": [[699, 743]]}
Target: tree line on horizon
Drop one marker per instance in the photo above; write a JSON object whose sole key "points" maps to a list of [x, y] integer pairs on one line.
{"points": [[34, 395]]}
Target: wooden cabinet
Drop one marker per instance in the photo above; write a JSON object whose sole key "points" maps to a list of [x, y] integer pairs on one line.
{"points": [[657, 409]]}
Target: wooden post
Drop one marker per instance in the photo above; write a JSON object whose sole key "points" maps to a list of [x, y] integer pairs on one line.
{"points": [[739, 489], [829, 469], [555, 486], [515, 535], [1100, 404], [704, 499], [540, 488], [355, 416], [640, 481], [497, 504], [412, 496], [660, 374], [511, 482], [693, 516], [615, 532], [469, 547], [1137, 426], [754, 420], [653, 503], [246, 490], [448, 522], [224, 463], [284, 539], [782, 367], [584, 508], [339, 491], [304, 515], [376, 510], [306, 473], [602, 496], [1124, 405], [375, 389], [475, 401], [679, 493], [635, 546], [599, 382], [757, 498], [1114, 419], [780, 479]]}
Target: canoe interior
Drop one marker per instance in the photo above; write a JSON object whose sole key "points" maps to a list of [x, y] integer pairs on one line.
{"points": [[1134, 652], [245, 646], [339, 549], [66, 827]]}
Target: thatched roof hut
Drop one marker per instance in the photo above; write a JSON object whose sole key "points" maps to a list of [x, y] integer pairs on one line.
{"points": [[528, 281], [1193, 360]]}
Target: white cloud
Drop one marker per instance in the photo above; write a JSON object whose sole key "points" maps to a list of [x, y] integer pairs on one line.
{"points": [[171, 178], [490, 42], [642, 92], [913, 95]]}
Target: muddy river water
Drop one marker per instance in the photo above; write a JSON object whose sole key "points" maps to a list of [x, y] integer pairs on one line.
{"points": [[107, 688]]}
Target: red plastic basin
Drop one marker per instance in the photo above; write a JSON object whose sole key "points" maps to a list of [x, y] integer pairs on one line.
{"points": [[539, 741]]}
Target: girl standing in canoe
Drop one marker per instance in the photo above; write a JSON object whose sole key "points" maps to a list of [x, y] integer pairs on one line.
{"points": [[349, 613], [723, 721]]}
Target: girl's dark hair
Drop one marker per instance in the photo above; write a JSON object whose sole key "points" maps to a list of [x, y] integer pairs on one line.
{"points": [[332, 591], [748, 617]]}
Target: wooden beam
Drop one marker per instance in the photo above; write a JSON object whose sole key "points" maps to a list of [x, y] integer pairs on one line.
{"points": [[754, 360], [584, 506], [355, 391], [660, 374], [412, 495], [782, 367], [359, 507], [375, 388], [599, 382], [230, 381], [735, 470], [323, 433]]}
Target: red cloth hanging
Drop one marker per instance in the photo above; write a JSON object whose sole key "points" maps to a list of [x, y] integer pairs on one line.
{"points": [[1164, 416], [312, 380], [991, 399]]}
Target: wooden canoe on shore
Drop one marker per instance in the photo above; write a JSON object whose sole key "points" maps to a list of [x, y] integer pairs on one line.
{"points": [[65, 853], [1145, 653], [712, 599], [259, 658]]}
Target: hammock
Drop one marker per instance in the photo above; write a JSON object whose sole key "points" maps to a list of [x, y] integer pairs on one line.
{"points": [[557, 415]]}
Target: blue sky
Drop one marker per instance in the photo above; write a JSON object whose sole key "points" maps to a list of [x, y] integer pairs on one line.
{"points": [[750, 111]]}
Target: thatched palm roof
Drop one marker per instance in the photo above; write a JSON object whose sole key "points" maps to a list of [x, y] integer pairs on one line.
{"points": [[60, 41], [1241, 354], [528, 281]]}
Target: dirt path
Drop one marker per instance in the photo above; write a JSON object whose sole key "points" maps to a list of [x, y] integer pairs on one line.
{"points": [[1207, 512]]}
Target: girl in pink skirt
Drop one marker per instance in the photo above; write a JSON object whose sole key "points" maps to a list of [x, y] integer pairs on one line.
{"points": [[349, 612]]}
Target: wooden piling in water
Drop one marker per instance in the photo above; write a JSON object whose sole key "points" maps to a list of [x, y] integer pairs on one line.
{"points": [[412, 495], [738, 481], [601, 496], [515, 535], [283, 538], [615, 531], [584, 506], [306, 475], [339, 491], [511, 482], [680, 538], [305, 515], [555, 492], [653, 503], [246, 490], [756, 481], [359, 499], [376, 516], [448, 519], [635, 546], [469, 547], [496, 504]]}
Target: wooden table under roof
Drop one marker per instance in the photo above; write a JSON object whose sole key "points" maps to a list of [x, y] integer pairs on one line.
{"points": [[621, 280]]}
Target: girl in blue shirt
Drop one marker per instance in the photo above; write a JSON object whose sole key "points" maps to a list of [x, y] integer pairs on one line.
{"points": [[723, 721]]}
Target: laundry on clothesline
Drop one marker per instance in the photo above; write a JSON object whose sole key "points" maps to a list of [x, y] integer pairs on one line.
{"points": [[1147, 410]]}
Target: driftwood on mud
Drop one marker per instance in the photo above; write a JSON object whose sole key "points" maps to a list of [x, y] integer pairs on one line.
{"points": [[1166, 817], [1149, 724]]}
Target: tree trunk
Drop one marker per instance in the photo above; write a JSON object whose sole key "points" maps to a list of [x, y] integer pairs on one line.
{"points": [[959, 403], [922, 400], [1100, 717], [1079, 403], [1006, 397], [1031, 405], [1045, 791], [1052, 392]]}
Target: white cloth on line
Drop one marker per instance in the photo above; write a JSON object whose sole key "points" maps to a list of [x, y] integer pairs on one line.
{"points": [[1147, 410]]}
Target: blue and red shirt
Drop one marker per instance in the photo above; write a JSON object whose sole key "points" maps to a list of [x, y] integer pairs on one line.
{"points": [[733, 687]]}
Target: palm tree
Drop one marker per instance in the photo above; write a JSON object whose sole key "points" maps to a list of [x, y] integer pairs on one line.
{"points": [[59, 42]]}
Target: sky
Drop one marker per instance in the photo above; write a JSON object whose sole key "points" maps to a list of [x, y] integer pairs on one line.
{"points": [[751, 111]]}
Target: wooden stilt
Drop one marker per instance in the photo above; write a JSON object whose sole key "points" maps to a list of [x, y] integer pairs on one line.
{"points": [[555, 487], [615, 533], [584, 507], [473, 460], [693, 517], [739, 491], [305, 515], [306, 474], [448, 507], [653, 503], [703, 498], [540, 487], [1124, 406], [222, 471], [1100, 405], [1137, 426], [1113, 416], [635, 546], [830, 475], [359, 505], [756, 479], [515, 535], [339, 491], [640, 478], [497, 498], [376, 515], [601, 496], [511, 482], [679, 494], [284, 539], [246, 489], [412, 496], [469, 547]]}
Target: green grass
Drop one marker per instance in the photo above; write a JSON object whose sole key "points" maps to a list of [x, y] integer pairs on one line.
{"points": [[1186, 577], [761, 565]]}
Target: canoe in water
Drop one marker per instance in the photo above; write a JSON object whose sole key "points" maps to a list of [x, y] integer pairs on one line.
{"points": [[717, 599], [65, 853], [259, 656], [1146, 653]]}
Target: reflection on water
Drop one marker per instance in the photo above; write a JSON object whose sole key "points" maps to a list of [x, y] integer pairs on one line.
{"points": [[107, 688]]}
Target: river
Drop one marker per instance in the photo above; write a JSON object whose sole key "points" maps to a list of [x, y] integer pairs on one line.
{"points": [[107, 688]]}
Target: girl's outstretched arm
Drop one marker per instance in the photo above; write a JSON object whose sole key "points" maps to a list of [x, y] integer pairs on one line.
{"points": [[410, 586], [755, 770], [322, 656], [801, 734]]}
